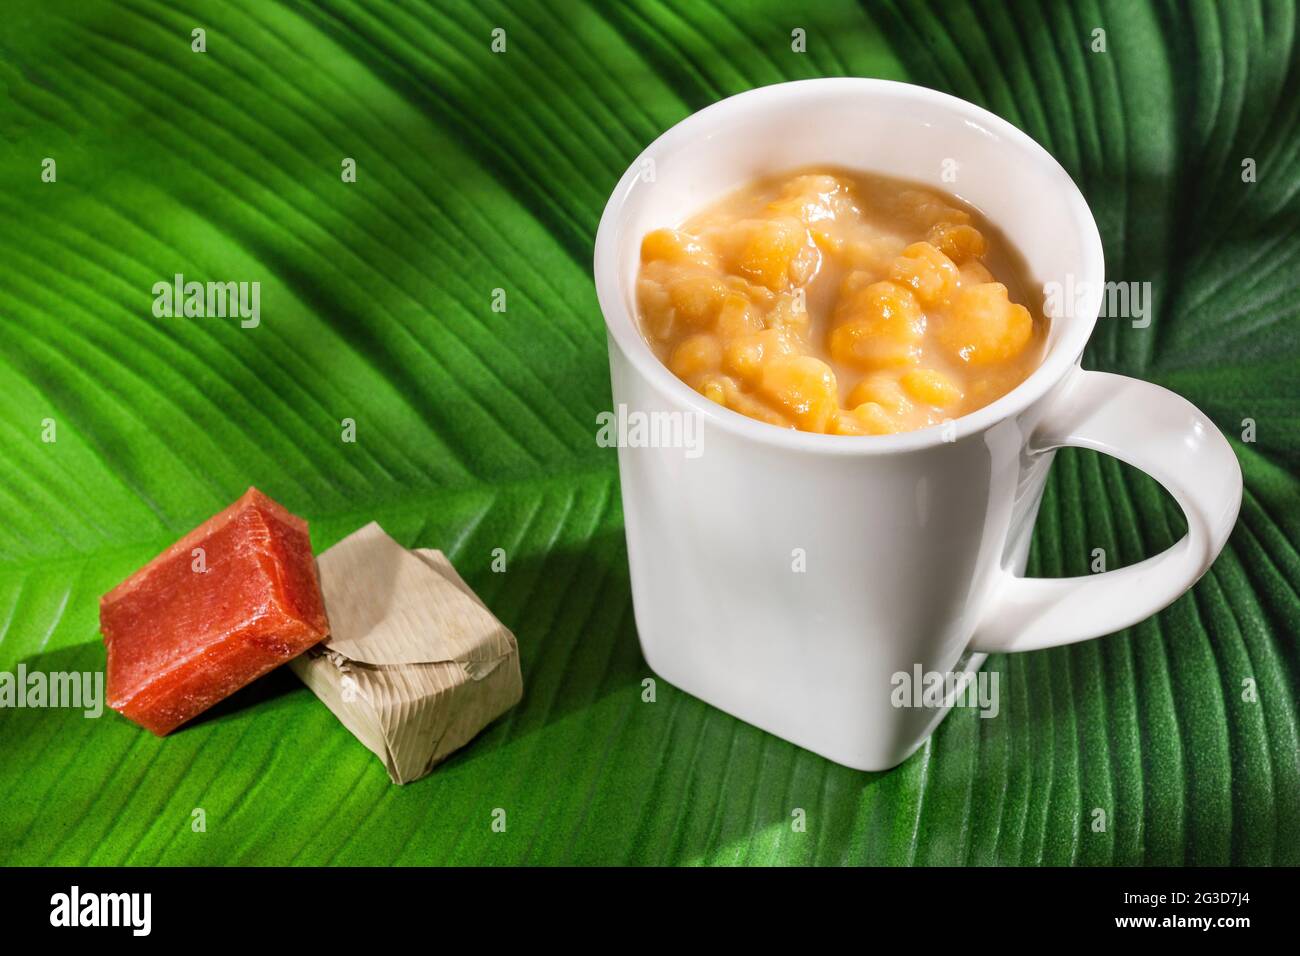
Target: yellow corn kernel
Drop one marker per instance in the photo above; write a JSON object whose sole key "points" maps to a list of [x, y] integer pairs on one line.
{"points": [[716, 388], [872, 256], [745, 356], [864, 300], [737, 317], [802, 388], [755, 407], [881, 325], [985, 326], [769, 250], [697, 299], [975, 272], [882, 390], [846, 424], [760, 296], [826, 240], [926, 209], [790, 311], [861, 345], [804, 265], [695, 356], [867, 418], [812, 198], [673, 245], [958, 241], [931, 387], [927, 271], [655, 307]]}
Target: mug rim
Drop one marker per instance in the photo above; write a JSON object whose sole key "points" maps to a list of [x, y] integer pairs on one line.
{"points": [[624, 330]]}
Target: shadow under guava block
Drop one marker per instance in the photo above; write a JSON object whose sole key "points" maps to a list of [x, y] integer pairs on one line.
{"points": [[265, 690]]}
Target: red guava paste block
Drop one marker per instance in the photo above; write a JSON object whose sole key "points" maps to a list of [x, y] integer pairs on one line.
{"points": [[192, 627]]}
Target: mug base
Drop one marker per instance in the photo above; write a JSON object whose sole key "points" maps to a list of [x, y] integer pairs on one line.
{"points": [[870, 756]]}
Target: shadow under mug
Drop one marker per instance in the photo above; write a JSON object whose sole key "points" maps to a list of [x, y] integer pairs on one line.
{"points": [[791, 578]]}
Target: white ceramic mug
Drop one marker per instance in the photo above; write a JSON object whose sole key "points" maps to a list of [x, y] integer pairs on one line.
{"points": [[914, 545]]}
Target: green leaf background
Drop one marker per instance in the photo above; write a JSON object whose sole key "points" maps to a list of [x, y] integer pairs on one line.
{"points": [[479, 171]]}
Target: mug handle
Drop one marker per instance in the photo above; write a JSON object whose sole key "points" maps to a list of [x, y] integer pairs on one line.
{"points": [[1165, 436]]}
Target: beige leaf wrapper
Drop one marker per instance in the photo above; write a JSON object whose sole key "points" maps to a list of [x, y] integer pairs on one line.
{"points": [[415, 664]]}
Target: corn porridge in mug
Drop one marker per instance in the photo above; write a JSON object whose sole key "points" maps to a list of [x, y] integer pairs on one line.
{"points": [[840, 302]]}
